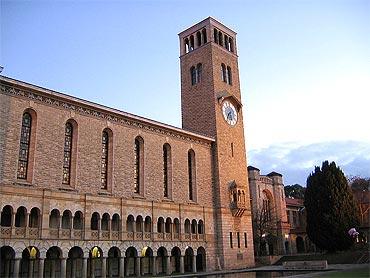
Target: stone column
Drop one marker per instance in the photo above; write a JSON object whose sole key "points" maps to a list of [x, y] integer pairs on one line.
{"points": [[16, 267], [41, 267], [154, 267], [84, 267], [12, 224], [92, 267], [30, 268], [137, 266], [168, 265], [182, 264], [122, 267], [27, 223], [63, 267], [104, 267], [52, 269], [194, 263]]}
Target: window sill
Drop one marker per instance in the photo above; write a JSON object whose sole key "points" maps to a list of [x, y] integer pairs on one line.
{"points": [[137, 196], [167, 200], [23, 183]]}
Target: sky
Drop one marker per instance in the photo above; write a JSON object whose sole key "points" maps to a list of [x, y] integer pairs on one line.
{"points": [[304, 68]]}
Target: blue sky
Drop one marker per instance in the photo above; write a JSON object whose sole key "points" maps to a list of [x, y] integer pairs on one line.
{"points": [[304, 68]]}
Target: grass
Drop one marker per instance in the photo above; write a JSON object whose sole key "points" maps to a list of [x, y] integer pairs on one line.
{"points": [[352, 273]]}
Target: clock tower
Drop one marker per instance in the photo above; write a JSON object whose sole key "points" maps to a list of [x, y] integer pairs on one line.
{"points": [[211, 105]]}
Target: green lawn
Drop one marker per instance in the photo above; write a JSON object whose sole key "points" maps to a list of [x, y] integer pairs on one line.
{"points": [[353, 273]]}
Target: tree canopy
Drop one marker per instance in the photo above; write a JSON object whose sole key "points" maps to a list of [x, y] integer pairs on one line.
{"points": [[330, 207], [294, 191]]}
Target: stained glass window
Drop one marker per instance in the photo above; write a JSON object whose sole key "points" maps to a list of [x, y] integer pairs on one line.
{"points": [[104, 160], [24, 148], [67, 153]]}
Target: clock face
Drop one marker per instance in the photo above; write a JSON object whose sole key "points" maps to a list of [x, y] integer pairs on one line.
{"points": [[229, 112]]}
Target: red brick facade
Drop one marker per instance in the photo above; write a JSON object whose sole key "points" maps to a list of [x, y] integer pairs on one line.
{"points": [[114, 231]]}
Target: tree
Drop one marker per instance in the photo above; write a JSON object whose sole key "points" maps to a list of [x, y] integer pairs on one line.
{"points": [[331, 208], [294, 191], [360, 189]]}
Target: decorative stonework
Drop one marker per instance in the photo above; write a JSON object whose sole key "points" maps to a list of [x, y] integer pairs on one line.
{"points": [[12, 91]]}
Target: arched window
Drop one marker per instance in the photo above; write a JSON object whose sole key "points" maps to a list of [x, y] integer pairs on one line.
{"points": [[186, 45], [167, 170], [105, 145], [105, 222], [66, 219], [95, 219], [6, 216], [200, 227], [193, 75], [187, 226], [226, 42], [191, 43], [204, 35], [231, 45], [223, 73], [199, 39], [199, 72], [139, 164], [266, 206], [215, 35], [68, 133], [229, 76], [220, 40], [24, 148], [78, 220], [115, 222], [191, 174], [194, 226], [160, 225]]}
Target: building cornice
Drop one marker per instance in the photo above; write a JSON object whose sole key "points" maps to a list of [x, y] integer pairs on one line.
{"points": [[35, 93]]}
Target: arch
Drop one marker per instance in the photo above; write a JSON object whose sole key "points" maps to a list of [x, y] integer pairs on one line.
{"points": [[176, 226], [130, 223], [223, 73], [186, 45], [20, 217], [6, 216], [26, 145], [201, 259], [168, 225], [105, 221], [160, 225], [199, 72], [200, 227], [54, 219], [167, 171], [231, 45], [204, 35], [148, 224], [34, 218], [191, 43], [199, 39], [161, 262], [75, 262], [139, 165], [191, 175], [147, 261], [95, 262], [187, 226], [226, 42], [130, 265], [300, 244], [139, 223], [29, 262], [188, 259], [7, 256], [113, 262], [175, 259], [220, 39], [95, 219], [194, 226], [66, 219], [78, 220], [115, 222], [52, 263]]}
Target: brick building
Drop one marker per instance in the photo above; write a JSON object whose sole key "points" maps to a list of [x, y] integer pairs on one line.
{"points": [[90, 191]]}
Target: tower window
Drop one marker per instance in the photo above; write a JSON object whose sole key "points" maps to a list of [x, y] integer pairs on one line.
{"points": [[191, 43], [199, 39], [231, 46], [204, 35], [24, 146], [191, 174], [68, 134], [238, 236], [215, 35], [199, 73], [229, 76], [196, 74], [245, 240], [220, 42], [186, 45], [223, 73], [231, 240], [232, 149], [226, 42]]}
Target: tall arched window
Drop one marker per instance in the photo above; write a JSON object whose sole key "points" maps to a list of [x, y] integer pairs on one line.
{"points": [[266, 206], [68, 133], [204, 35], [199, 39], [229, 76], [226, 42], [199, 72], [186, 45], [215, 35], [223, 73], [104, 159], [191, 43], [231, 46], [193, 74], [191, 174], [220, 41], [167, 170], [139, 163], [24, 148]]}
